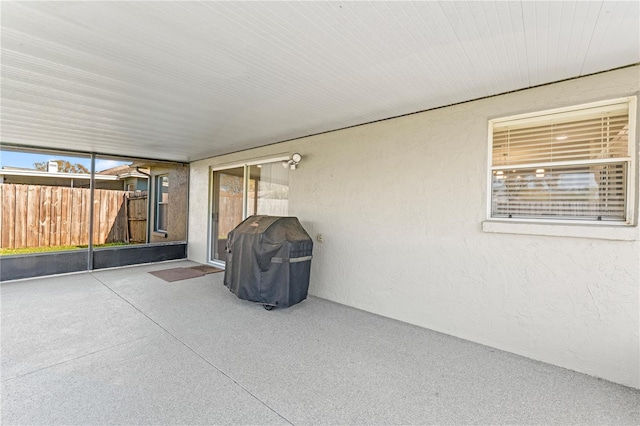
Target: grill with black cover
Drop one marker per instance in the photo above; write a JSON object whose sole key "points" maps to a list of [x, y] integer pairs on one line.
{"points": [[269, 261]]}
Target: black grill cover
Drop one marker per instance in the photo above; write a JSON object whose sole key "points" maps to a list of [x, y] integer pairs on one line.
{"points": [[269, 261]]}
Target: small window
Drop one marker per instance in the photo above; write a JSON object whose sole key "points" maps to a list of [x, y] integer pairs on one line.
{"points": [[568, 165], [162, 203]]}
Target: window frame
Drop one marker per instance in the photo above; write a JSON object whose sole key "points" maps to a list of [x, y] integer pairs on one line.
{"points": [[577, 110], [157, 202]]}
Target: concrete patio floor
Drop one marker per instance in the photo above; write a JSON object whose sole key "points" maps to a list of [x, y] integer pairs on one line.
{"points": [[125, 347]]}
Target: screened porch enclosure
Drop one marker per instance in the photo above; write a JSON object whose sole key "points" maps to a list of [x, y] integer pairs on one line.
{"points": [[67, 212]]}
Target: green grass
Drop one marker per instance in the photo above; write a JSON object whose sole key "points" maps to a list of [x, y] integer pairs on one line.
{"points": [[29, 250]]}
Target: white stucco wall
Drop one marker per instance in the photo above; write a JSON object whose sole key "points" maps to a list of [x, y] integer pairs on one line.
{"points": [[401, 205]]}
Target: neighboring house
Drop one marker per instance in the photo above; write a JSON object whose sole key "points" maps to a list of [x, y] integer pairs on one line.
{"points": [[169, 189], [121, 178], [132, 178]]}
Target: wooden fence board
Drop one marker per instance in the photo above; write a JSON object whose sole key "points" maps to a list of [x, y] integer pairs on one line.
{"points": [[100, 225], [65, 218], [33, 215], [53, 227], [108, 231], [83, 219], [56, 216], [44, 222], [8, 215], [98, 208], [21, 216], [104, 224], [79, 225], [70, 214], [96, 216], [74, 210], [123, 219], [85, 196], [117, 224]]}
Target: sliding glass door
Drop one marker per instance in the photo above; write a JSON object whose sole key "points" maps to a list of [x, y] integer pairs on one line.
{"points": [[243, 191], [228, 208]]}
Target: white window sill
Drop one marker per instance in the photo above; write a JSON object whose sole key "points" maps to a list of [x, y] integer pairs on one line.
{"points": [[602, 232]]}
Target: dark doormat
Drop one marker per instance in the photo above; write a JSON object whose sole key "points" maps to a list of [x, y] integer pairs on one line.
{"points": [[206, 269], [177, 274]]}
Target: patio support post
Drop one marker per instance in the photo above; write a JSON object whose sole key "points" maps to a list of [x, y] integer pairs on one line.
{"points": [[92, 187]]}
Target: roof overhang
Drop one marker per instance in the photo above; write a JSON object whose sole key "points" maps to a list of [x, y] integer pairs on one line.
{"points": [[57, 175]]}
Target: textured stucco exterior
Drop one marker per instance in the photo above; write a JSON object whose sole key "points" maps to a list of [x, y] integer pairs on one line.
{"points": [[178, 176], [401, 206]]}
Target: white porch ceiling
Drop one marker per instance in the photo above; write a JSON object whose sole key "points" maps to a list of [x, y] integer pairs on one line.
{"points": [[188, 80]]}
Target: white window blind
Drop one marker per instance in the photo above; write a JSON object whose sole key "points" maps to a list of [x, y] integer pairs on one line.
{"points": [[573, 165]]}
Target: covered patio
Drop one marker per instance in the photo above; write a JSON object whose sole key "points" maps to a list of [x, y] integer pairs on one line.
{"points": [[468, 172], [122, 346]]}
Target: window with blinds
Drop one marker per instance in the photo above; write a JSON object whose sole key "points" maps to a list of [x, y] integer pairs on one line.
{"points": [[568, 165]]}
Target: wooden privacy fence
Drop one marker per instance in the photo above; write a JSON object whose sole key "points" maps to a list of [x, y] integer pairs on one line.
{"points": [[45, 216]]}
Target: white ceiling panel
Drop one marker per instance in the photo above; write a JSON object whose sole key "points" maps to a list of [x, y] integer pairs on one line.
{"points": [[188, 80], [617, 26]]}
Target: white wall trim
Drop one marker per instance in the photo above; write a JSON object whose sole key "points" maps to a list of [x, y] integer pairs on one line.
{"points": [[251, 162], [612, 232]]}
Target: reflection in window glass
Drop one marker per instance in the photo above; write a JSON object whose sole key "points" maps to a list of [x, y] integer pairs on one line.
{"points": [[230, 201], [162, 208], [590, 192], [268, 190]]}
